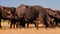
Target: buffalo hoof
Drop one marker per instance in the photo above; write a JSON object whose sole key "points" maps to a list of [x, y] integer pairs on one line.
{"points": [[10, 27], [46, 27]]}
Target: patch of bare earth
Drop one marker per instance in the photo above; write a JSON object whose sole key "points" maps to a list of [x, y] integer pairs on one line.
{"points": [[31, 30]]}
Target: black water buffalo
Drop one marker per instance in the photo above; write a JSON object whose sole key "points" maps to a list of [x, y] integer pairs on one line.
{"points": [[30, 13], [57, 18], [55, 15], [42, 16], [6, 13]]}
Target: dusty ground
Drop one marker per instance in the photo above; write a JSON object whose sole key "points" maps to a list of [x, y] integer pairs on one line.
{"points": [[31, 30]]}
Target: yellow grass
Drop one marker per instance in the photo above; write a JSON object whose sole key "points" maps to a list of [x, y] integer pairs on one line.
{"points": [[31, 30]]}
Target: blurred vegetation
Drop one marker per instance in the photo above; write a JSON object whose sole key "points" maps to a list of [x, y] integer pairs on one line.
{"points": [[4, 20]]}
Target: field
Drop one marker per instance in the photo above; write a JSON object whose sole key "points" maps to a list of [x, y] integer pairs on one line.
{"points": [[31, 30]]}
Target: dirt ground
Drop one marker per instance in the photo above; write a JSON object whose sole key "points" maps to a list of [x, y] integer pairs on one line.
{"points": [[30, 30]]}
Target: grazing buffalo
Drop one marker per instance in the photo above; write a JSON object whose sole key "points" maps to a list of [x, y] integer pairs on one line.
{"points": [[55, 15], [42, 16], [57, 18], [30, 13], [25, 14], [6, 13]]}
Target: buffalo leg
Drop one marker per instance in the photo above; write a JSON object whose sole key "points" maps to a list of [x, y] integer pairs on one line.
{"points": [[10, 25], [36, 25], [14, 26], [0, 23], [46, 23], [22, 24], [56, 23], [27, 25], [17, 24]]}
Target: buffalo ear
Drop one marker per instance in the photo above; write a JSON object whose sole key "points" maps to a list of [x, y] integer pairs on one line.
{"points": [[26, 6], [3, 7]]}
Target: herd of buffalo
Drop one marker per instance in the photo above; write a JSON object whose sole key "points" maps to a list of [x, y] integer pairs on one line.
{"points": [[24, 15]]}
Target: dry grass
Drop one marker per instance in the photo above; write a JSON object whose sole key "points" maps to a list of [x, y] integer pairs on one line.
{"points": [[30, 30]]}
